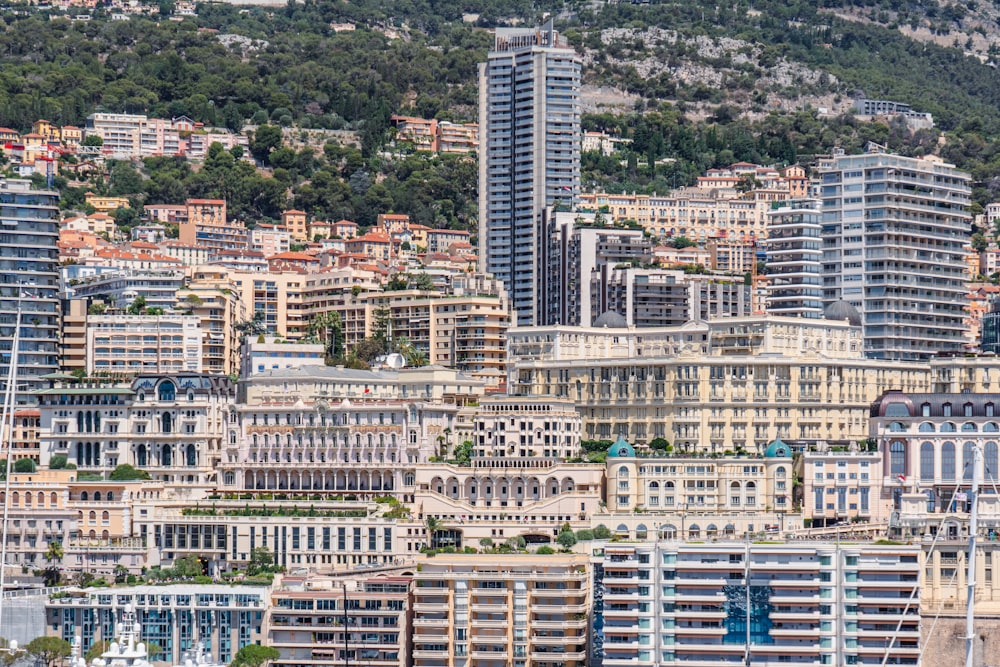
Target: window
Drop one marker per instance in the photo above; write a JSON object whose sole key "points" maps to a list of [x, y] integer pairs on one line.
{"points": [[897, 458], [927, 462], [967, 458], [948, 461], [946, 409], [167, 391]]}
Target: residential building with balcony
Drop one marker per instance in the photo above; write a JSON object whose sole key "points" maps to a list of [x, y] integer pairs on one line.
{"points": [[894, 231], [178, 618], [495, 610], [211, 296], [134, 344], [794, 259], [29, 283], [273, 353], [359, 620], [736, 603], [529, 120]]}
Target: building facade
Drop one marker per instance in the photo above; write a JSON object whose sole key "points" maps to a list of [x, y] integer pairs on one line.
{"points": [[727, 384], [133, 344], [794, 259], [177, 618], [493, 611], [736, 603], [360, 621], [29, 284], [529, 119], [171, 426], [894, 231]]}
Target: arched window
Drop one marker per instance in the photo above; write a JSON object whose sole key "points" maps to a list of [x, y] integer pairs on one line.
{"points": [[27, 499], [968, 427], [623, 472], [92, 517], [991, 473], [779, 472], [84, 496], [97, 495], [967, 460], [167, 422], [89, 419], [105, 516], [990, 427], [192, 455], [166, 456], [927, 427], [140, 456], [111, 496], [927, 462], [948, 461], [167, 391], [229, 478], [947, 427], [897, 458], [53, 499], [896, 427], [79, 421]]}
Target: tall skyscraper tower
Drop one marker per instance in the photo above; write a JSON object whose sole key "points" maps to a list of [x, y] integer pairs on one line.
{"points": [[529, 154], [29, 277], [893, 231]]}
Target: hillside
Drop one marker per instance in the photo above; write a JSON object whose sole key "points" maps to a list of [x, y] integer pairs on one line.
{"points": [[693, 83]]}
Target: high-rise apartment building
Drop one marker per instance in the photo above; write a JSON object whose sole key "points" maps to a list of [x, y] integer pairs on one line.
{"points": [[794, 259], [529, 115], [29, 256], [742, 603], [893, 233]]}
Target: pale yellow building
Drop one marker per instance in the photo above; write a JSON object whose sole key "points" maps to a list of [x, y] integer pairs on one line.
{"points": [[728, 384], [535, 608], [211, 295]]}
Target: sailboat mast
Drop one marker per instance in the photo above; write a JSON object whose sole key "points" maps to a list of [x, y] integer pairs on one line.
{"points": [[9, 401], [970, 603]]}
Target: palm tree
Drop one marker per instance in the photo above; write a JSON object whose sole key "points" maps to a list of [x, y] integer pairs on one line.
{"points": [[53, 555]]}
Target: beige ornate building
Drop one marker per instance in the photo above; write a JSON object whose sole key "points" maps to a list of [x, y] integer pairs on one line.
{"points": [[728, 384]]}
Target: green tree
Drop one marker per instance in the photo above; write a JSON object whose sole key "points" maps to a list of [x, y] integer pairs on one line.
{"points": [[463, 453], [48, 650], [602, 532], [96, 649], [58, 462], [137, 307], [254, 655], [92, 140], [188, 567], [127, 473], [660, 445], [25, 465], [261, 560], [266, 139], [566, 539]]}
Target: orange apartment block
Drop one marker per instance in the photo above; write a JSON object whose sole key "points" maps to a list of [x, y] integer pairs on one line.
{"points": [[345, 229], [206, 211], [393, 223], [373, 245], [295, 222]]}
